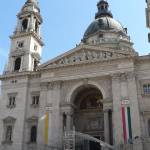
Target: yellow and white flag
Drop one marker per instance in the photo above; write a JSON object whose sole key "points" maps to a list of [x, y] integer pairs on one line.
{"points": [[46, 128]]}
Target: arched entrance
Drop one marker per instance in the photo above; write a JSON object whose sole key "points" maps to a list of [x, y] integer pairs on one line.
{"points": [[88, 116]]}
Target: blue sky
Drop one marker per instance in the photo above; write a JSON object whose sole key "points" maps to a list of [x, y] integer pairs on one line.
{"points": [[65, 22]]}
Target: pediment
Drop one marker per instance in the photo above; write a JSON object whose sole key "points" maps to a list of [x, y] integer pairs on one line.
{"points": [[9, 119], [83, 54]]}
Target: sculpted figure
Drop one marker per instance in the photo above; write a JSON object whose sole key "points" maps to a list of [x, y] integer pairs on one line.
{"points": [[89, 55], [83, 57], [95, 55]]}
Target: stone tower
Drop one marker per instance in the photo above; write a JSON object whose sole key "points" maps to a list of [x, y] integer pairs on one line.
{"points": [[16, 120], [26, 43]]}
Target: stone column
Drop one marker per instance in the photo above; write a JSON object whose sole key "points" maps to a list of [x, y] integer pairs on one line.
{"points": [[135, 109], [41, 123], [69, 121], [49, 108], [117, 120], [106, 126], [56, 115], [31, 23]]}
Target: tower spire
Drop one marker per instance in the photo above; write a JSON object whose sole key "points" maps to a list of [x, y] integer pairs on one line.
{"points": [[103, 9]]}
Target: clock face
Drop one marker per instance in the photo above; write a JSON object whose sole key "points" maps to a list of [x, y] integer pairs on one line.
{"points": [[20, 44]]}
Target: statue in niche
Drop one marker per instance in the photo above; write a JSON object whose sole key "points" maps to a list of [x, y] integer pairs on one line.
{"points": [[83, 57], [101, 55], [104, 55], [95, 56], [78, 58], [66, 60], [61, 61], [89, 55], [73, 59]]}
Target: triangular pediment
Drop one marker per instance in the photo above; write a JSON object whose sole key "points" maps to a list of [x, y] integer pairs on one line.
{"points": [[84, 53]]}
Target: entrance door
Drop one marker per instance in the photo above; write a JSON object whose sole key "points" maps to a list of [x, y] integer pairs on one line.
{"points": [[89, 117]]}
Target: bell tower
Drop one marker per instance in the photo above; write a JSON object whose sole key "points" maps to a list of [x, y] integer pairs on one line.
{"points": [[26, 42]]}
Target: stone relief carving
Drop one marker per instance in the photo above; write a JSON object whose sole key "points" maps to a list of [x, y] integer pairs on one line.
{"points": [[87, 55]]}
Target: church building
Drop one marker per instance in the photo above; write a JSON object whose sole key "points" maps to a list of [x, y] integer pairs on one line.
{"points": [[100, 88]]}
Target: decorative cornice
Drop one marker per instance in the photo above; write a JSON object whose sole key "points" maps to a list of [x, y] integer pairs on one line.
{"points": [[28, 74], [142, 59], [31, 33], [17, 53], [123, 76], [131, 75], [51, 85], [83, 63], [19, 15], [9, 119], [67, 105]]}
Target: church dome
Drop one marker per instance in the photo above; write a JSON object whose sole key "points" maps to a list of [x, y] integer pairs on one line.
{"points": [[104, 21], [104, 24]]}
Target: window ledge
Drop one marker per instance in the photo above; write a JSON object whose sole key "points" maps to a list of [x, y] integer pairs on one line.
{"points": [[145, 94], [11, 106], [7, 142], [34, 105], [31, 143]]}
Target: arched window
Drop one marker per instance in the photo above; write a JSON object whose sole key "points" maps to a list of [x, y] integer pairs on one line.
{"points": [[102, 7], [24, 24], [17, 64], [149, 127], [9, 123], [8, 133], [35, 65], [64, 121], [36, 26], [33, 134]]}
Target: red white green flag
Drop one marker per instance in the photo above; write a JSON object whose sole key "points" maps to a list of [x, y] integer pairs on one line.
{"points": [[126, 123]]}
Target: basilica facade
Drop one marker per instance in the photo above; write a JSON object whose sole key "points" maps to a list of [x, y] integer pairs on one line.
{"points": [[100, 88]]}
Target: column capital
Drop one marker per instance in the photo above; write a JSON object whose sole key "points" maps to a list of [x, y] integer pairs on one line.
{"points": [[107, 110], [57, 84], [115, 76], [122, 76], [44, 86], [131, 75], [69, 113], [50, 85]]}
